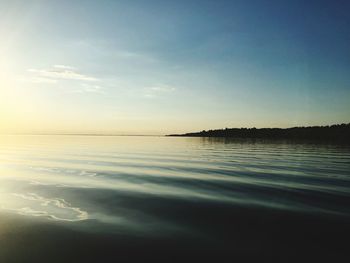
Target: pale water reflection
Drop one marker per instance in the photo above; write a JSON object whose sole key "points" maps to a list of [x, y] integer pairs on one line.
{"points": [[242, 172], [218, 191]]}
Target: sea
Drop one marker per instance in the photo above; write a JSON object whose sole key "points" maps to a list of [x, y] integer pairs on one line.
{"points": [[74, 198]]}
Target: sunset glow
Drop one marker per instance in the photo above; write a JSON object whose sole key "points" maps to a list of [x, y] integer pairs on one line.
{"points": [[117, 68]]}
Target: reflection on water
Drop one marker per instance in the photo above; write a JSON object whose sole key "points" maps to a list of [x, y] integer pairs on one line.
{"points": [[35, 205], [157, 185], [279, 175]]}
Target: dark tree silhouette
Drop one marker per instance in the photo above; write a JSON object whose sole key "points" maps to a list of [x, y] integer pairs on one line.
{"points": [[338, 132]]}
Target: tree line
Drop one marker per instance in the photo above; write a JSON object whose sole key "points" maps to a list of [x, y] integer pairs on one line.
{"points": [[339, 132]]}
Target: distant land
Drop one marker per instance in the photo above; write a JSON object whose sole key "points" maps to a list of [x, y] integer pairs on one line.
{"points": [[337, 132]]}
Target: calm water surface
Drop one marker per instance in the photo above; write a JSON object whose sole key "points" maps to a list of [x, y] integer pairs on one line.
{"points": [[93, 197]]}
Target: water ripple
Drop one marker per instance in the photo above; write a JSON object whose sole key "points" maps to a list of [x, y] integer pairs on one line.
{"points": [[294, 177]]}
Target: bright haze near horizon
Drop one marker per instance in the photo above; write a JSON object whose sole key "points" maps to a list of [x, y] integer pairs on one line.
{"points": [[159, 67]]}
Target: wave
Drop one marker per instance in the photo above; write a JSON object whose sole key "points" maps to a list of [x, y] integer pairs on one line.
{"points": [[83, 178]]}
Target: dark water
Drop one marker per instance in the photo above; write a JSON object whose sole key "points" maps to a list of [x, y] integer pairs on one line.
{"points": [[126, 199]]}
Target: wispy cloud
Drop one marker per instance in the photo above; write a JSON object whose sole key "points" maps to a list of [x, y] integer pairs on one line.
{"points": [[87, 88], [158, 90], [43, 80], [64, 67], [60, 72], [130, 55], [162, 89]]}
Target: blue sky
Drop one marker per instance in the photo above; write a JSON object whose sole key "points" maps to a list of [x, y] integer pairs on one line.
{"points": [[157, 67]]}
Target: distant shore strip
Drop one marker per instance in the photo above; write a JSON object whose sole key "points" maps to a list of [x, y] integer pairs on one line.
{"points": [[337, 132]]}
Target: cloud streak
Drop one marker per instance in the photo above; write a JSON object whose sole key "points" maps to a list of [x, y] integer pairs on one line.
{"points": [[157, 90], [57, 73], [87, 88], [60, 72], [64, 67]]}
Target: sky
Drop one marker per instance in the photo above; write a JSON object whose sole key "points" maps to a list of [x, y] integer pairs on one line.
{"points": [[159, 67]]}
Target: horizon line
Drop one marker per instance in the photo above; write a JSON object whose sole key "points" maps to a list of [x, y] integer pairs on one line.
{"points": [[157, 135], [82, 134]]}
